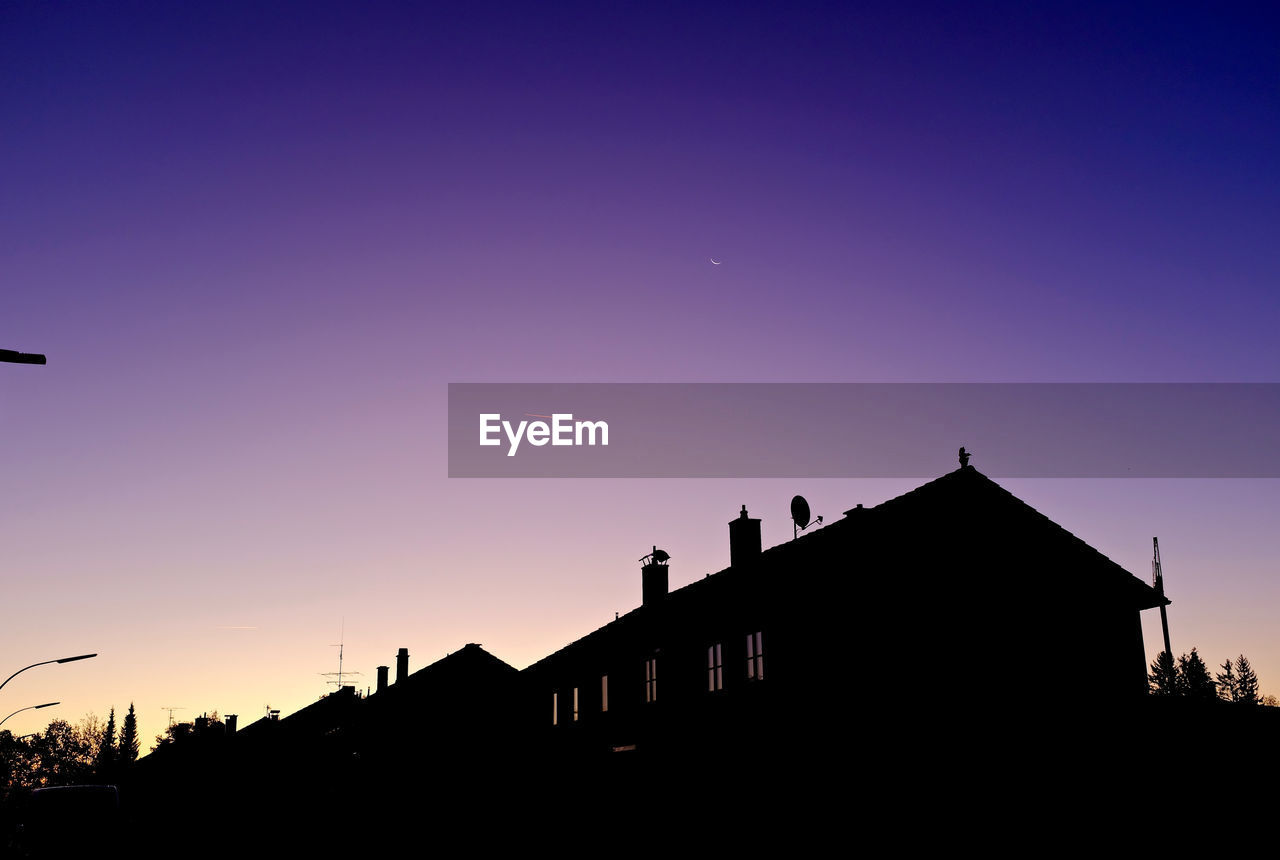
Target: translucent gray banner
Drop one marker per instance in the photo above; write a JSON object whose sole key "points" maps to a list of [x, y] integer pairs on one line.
{"points": [[863, 430]]}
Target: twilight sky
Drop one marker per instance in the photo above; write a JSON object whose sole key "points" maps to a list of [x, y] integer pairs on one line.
{"points": [[257, 243]]}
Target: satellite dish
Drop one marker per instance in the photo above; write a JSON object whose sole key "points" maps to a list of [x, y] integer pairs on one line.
{"points": [[800, 512]]}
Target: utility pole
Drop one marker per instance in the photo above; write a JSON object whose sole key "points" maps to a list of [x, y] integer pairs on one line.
{"points": [[1157, 579]]}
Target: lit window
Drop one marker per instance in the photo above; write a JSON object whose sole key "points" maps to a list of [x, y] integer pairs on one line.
{"points": [[604, 692], [555, 709], [715, 669], [575, 704], [651, 679], [755, 657]]}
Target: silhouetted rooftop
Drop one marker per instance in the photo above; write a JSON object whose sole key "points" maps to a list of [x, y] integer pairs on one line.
{"points": [[963, 489], [466, 663]]}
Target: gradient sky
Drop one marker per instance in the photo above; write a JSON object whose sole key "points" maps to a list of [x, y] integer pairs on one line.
{"points": [[257, 243]]}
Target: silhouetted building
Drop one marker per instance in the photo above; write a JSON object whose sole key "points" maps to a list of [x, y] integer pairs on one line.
{"points": [[442, 716], [950, 630], [953, 607]]}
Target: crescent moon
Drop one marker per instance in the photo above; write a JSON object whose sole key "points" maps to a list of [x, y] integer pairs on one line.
{"points": [[714, 261]]}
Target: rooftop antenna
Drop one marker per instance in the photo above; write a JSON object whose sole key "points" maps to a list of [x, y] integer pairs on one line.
{"points": [[800, 516], [171, 709], [336, 677], [1157, 580]]}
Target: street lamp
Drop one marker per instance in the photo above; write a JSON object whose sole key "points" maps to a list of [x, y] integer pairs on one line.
{"points": [[30, 708], [14, 357], [43, 662]]}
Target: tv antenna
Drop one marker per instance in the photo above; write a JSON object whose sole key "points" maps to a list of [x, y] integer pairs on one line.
{"points": [[1157, 580], [800, 516], [171, 709], [336, 677]]}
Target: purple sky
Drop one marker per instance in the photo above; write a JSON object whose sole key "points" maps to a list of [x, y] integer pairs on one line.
{"points": [[257, 244]]}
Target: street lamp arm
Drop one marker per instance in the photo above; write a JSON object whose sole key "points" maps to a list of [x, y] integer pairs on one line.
{"points": [[14, 357], [23, 669], [43, 662], [30, 708]]}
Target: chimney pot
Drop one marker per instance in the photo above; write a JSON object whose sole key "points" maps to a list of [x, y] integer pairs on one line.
{"points": [[744, 539], [653, 581]]}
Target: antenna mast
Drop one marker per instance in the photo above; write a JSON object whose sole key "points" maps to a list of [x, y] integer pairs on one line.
{"points": [[337, 676], [1157, 580]]}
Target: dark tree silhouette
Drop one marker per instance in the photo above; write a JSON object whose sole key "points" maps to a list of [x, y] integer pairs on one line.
{"points": [[19, 765], [175, 733], [1228, 683], [129, 738], [106, 759], [63, 754], [1246, 683], [1164, 675], [66, 755], [1194, 679]]}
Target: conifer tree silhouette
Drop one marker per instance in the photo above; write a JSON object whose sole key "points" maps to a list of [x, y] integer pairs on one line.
{"points": [[107, 751], [1228, 683], [1246, 683], [1163, 678], [129, 738], [1194, 680]]}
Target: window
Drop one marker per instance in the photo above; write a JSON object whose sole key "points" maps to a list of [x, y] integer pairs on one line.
{"points": [[604, 693], [555, 709], [651, 679], [715, 669], [575, 704], [755, 657]]}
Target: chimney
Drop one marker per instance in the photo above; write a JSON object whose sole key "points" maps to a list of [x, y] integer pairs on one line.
{"points": [[231, 724], [653, 578], [402, 664], [382, 677], [744, 539]]}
